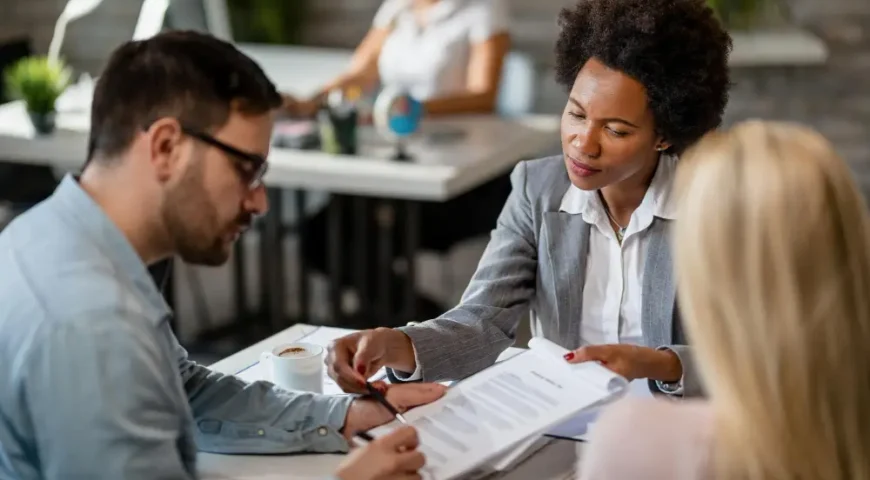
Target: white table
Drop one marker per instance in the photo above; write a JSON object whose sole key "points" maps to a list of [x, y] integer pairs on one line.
{"points": [[488, 147], [553, 462]]}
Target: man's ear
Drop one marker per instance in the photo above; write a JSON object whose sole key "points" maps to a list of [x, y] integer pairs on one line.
{"points": [[165, 146]]}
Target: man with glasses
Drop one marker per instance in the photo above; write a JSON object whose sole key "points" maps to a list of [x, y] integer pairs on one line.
{"points": [[93, 383]]}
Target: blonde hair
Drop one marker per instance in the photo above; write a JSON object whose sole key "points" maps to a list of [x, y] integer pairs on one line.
{"points": [[772, 251]]}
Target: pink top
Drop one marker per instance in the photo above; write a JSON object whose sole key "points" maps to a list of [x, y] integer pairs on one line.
{"points": [[650, 439]]}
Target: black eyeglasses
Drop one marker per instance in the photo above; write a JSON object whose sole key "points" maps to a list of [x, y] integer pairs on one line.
{"points": [[253, 177]]}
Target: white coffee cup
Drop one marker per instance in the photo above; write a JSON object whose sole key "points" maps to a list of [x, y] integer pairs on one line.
{"points": [[296, 366]]}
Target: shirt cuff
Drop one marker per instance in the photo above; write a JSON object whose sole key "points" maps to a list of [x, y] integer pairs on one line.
{"points": [[318, 430], [333, 410], [418, 372], [672, 388]]}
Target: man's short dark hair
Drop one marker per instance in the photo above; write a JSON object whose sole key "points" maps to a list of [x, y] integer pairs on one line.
{"points": [[191, 76], [677, 49]]}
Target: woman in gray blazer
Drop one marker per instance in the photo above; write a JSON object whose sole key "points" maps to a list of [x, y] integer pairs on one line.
{"points": [[582, 241]]}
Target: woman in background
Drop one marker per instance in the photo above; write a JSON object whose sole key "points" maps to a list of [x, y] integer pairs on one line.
{"points": [[448, 54], [773, 263]]}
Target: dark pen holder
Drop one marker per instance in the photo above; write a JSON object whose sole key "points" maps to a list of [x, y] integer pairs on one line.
{"points": [[338, 130]]}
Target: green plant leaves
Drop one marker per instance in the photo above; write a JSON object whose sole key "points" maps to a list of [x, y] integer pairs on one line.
{"points": [[267, 21], [740, 14], [37, 81]]}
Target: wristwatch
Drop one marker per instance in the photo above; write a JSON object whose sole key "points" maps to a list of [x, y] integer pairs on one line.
{"points": [[670, 388]]}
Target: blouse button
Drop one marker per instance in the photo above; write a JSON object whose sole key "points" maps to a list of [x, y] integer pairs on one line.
{"points": [[322, 431]]}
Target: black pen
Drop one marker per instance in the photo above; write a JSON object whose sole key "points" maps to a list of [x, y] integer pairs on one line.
{"points": [[365, 437], [383, 401]]}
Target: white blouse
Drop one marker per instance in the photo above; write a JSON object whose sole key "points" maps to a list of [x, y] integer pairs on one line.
{"points": [[614, 272], [432, 61]]}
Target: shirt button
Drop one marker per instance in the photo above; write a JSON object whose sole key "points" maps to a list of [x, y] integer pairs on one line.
{"points": [[322, 431], [261, 432]]}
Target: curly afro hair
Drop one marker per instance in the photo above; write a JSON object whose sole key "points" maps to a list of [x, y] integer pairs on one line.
{"points": [[677, 49]]}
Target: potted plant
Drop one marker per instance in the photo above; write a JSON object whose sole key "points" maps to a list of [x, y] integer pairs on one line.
{"points": [[38, 82]]}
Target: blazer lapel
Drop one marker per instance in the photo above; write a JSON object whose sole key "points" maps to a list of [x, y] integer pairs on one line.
{"points": [[659, 287], [567, 247]]}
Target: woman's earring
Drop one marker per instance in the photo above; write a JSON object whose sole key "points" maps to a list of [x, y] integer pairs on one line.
{"points": [[660, 148]]}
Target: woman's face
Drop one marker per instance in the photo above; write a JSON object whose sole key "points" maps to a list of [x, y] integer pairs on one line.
{"points": [[608, 130]]}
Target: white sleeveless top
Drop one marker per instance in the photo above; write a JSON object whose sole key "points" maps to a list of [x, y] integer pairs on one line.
{"points": [[432, 61]]}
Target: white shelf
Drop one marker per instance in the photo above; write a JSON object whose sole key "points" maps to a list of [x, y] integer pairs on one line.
{"points": [[772, 48]]}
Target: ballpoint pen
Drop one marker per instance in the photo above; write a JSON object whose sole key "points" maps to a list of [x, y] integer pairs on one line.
{"points": [[374, 392], [363, 438]]}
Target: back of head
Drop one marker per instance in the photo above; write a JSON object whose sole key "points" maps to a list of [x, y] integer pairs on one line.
{"points": [[194, 77], [773, 258]]}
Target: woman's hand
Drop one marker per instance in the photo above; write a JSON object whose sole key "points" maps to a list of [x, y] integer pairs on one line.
{"points": [[393, 456], [354, 358], [298, 108], [632, 361]]}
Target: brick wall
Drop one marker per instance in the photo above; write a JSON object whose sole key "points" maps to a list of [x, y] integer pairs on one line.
{"points": [[834, 98]]}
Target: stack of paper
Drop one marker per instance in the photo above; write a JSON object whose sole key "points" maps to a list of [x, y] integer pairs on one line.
{"points": [[491, 420]]}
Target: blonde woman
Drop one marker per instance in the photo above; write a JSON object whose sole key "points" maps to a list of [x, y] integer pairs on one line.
{"points": [[773, 262]]}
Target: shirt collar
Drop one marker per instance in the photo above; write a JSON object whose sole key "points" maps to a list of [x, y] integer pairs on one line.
{"points": [[87, 216], [658, 199], [441, 10]]}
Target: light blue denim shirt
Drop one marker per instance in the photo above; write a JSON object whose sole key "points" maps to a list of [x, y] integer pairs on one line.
{"points": [[93, 383]]}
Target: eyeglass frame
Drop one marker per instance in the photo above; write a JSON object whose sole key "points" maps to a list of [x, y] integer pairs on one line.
{"points": [[260, 164]]}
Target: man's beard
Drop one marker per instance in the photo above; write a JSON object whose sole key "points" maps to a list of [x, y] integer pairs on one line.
{"points": [[193, 223]]}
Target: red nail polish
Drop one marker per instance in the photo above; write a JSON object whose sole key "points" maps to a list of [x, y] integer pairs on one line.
{"points": [[569, 356], [361, 369]]}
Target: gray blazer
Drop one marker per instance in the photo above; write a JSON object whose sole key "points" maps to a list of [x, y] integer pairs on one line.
{"points": [[536, 260]]}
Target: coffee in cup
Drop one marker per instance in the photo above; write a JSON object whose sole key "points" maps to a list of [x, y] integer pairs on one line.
{"points": [[294, 352], [296, 366]]}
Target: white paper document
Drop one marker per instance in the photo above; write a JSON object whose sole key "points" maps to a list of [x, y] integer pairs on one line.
{"points": [[507, 406], [580, 426]]}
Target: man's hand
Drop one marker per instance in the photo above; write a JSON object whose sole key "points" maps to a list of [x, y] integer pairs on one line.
{"points": [[393, 456], [632, 361], [366, 413], [353, 359]]}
